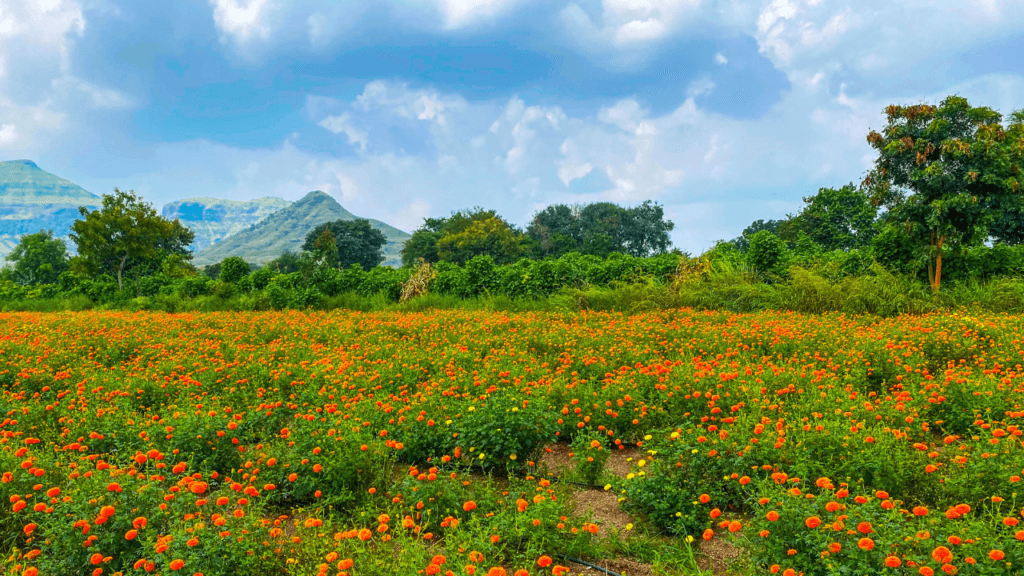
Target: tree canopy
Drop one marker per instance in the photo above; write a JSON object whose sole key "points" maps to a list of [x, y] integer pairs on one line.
{"points": [[599, 229], [39, 258], [466, 233], [343, 243], [126, 236], [838, 218], [939, 170]]}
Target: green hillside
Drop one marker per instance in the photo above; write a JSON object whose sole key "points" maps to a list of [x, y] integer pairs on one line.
{"points": [[214, 219], [32, 199], [286, 229]]}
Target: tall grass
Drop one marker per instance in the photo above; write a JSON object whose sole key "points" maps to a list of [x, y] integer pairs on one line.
{"points": [[724, 287]]}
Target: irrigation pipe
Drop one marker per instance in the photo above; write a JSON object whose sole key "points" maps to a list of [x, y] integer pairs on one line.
{"points": [[587, 564]]}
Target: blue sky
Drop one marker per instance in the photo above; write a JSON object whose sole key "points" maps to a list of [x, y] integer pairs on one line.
{"points": [[722, 111]]}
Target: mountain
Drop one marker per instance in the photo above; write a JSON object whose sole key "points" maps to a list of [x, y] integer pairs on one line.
{"points": [[32, 199], [286, 229], [213, 219]]}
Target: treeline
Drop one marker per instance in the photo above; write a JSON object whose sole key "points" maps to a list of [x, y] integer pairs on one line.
{"points": [[943, 202]]}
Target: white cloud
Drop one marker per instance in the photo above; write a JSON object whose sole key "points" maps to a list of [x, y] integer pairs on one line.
{"points": [[569, 172], [100, 97], [241, 20], [35, 42], [8, 134], [625, 114], [398, 99], [342, 124], [720, 59], [460, 13]]}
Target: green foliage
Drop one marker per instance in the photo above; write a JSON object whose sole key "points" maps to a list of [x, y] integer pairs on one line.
{"points": [[590, 454], [233, 269], [505, 432], [939, 169], [126, 236], [767, 253], [838, 219], [39, 258], [491, 237], [599, 229], [343, 243]]}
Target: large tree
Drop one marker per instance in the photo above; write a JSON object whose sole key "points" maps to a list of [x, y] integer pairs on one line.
{"points": [[126, 236], [1008, 209], [347, 242], [425, 241], [491, 237], [39, 258], [555, 230], [938, 169], [601, 228], [645, 231], [838, 218]]}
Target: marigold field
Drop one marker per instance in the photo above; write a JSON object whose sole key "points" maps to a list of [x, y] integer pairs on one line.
{"points": [[412, 443]]}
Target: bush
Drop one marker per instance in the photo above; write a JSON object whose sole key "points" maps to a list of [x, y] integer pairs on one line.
{"points": [[505, 432]]}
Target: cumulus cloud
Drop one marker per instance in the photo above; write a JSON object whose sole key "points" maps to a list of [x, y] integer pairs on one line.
{"points": [[459, 13], [241, 20], [342, 124]]}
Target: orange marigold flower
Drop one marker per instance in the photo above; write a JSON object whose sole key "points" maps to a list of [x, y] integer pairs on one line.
{"points": [[812, 522], [996, 555], [866, 544], [893, 562], [942, 554]]}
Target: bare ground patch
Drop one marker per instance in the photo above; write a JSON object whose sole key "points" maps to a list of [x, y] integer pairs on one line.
{"points": [[558, 461], [717, 555]]}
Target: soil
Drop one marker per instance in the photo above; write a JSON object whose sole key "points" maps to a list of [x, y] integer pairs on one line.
{"points": [[556, 458], [717, 555], [604, 509], [623, 566]]}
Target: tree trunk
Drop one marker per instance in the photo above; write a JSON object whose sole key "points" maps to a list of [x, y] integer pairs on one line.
{"points": [[931, 267], [120, 267], [938, 266]]}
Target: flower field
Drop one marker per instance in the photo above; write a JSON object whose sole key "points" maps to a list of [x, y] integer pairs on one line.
{"points": [[410, 443]]}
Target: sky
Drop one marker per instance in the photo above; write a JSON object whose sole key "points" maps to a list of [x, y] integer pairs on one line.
{"points": [[723, 111]]}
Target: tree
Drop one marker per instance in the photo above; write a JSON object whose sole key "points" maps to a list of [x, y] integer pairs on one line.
{"points": [[555, 230], [1008, 209], [767, 252], [601, 225], [838, 218], [645, 230], [285, 263], [39, 258], [233, 269], [126, 236], [425, 239], [938, 169], [742, 242], [354, 242], [491, 237]]}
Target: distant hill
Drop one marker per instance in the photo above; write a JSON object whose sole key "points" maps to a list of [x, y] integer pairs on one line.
{"points": [[32, 199], [286, 229], [213, 219]]}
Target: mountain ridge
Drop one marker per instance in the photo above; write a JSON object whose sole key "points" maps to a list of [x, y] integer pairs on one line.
{"points": [[286, 229]]}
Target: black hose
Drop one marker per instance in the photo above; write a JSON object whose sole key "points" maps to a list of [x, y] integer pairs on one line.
{"points": [[587, 564]]}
